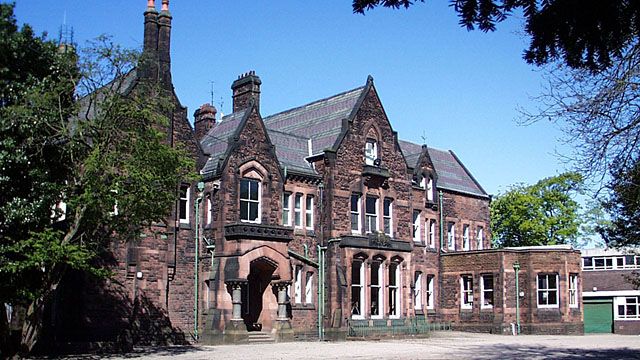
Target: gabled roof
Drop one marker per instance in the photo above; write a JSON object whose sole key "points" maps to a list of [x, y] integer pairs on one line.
{"points": [[216, 141], [320, 121], [452, 174]]}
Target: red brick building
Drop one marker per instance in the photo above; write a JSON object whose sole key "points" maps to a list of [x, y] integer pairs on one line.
{"points": [[611, 301], [317, 220]]}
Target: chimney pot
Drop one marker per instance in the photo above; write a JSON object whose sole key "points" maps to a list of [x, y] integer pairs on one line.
{"points": [[245, 89], [165, 5]]}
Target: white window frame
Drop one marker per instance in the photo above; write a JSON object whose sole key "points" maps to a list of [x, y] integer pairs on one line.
{"points": [[417, 292], [626, 302], [430, 293], [286, 209], [432, 233], [258, 184], [573, 291], [423, 183], [417, 228], [308, 289], [547, 290], [394, 290], [387, 216], [480, 238], [380, 287], [356, 214], [466, 241], [370, 151], [297, 289], [466, 291], [185, 201], [451, 236], [487, 293], [371, 219], [430, 189], [308, 210], [358, 287], [297, 211], [208, 205]]}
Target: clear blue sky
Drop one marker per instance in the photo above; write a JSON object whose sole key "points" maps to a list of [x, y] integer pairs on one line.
{"points": [[459, 89]]}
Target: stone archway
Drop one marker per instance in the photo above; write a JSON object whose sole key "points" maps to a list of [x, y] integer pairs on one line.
{"points": [[261, 271]]}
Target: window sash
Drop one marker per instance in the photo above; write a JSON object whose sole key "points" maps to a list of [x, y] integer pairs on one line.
{"points": [[417, 292], [387, 213], [286, 209], [465, 238], [432, 233], [308, 289], [451, 236], [416, 226], [573, 291], [357, 290], [371, 214], [309, 212], [466, 291], [183, 211], [628, 308], [480, 238], [394, 293], [376, 304], [548, 291], [487, 291], [297, 210], [370, 151], [355, 214], [249, 200], [430, 189], [430, 299], [298, 285]]}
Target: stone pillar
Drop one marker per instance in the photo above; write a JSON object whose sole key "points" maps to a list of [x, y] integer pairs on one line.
{"points": [[283, 329], [235, 330]]}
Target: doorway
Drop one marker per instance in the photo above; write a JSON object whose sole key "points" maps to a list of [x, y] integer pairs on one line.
{"points": [[259, 279]]}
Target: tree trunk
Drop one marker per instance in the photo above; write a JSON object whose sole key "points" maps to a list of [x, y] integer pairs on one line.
{"points": [[32, 329]]}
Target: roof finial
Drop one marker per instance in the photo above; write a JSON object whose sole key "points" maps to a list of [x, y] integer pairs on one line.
{"points": [[151, 4], [165, 5]]}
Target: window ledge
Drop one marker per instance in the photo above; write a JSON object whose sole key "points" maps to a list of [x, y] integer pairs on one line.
{"points": [[185, 226]]}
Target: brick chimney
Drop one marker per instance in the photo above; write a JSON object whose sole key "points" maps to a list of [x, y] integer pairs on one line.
{"points": [[149, 66], [204, 119], [164, 43], [245, 88]]}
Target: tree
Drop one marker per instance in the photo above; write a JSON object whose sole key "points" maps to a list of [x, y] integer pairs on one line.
{"points": [[540, 214], [75, 135], [587, 34], [624, 207]]}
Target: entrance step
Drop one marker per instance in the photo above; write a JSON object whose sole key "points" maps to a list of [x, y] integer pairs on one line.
{"points": [[259, 337]]}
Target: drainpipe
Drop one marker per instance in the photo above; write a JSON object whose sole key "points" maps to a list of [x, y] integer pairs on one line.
{"points": [[516, 267], [196, 204]]}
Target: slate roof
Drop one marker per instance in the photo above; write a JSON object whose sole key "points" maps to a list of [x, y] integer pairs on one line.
{"points": [[321, 123], [452, 174], [216, 141], [321, 120]]}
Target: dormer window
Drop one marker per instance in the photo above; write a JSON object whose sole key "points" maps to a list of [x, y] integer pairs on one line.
{"points": [[429, 189], [371, 152]]}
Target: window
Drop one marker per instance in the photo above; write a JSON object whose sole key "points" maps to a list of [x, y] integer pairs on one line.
{"points": [[423, 183], [308, 289], [573, 290], [376, 289], [184, 204], [357, 289], [286, 209], [416, 226], [209, 209], [451, 236], [486, 283], [371, 214], [370, 152], [417, 292], [628, 307], [432, 233], [250, 200], [619, 262], [465, 238], [297, 210], [394, 294], [309, 212], [548, 290], [466, 291], [297, 289], [430, 189], [430, 299], [480, 238], [387, 215], [355, 214]]}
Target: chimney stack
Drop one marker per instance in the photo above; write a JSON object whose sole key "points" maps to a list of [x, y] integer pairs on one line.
{"points": [[150, 47], [246, 88], [204, 119], [164, 43]]}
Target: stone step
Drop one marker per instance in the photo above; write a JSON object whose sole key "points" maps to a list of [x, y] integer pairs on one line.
{"points": [[259, 337]]}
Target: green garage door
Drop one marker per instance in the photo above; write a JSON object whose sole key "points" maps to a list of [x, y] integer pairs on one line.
{"points": [[598, 315]]}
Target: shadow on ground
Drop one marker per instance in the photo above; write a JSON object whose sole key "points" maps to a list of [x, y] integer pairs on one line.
{"points": [[542, 352]]}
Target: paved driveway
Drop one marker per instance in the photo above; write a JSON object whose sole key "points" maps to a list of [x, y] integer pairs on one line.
{"points": [[442, 345]]}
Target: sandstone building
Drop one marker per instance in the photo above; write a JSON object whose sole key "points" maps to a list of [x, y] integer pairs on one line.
{"points": [[319, 222]]}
